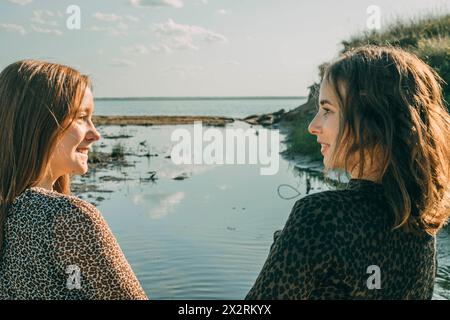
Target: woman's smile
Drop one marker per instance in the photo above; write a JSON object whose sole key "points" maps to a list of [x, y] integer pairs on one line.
{"points": [[82, 151]]}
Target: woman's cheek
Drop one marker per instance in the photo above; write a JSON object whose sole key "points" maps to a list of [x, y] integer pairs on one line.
{"points": [[80, 129]]}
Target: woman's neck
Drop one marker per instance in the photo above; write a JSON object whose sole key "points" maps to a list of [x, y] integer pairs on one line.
{"points": [[370, 175], [46, 183]]}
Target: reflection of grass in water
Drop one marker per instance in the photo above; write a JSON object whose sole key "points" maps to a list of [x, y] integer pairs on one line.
{"points": [[118, 151], [332, 183], [94, 155], [101, 160]]}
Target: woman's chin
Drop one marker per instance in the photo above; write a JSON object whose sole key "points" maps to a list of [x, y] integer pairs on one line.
{"points": [[82, 169], [85, 170]]}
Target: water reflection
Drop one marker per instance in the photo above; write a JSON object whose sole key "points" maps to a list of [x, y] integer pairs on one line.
{"points": [[161, 203]]}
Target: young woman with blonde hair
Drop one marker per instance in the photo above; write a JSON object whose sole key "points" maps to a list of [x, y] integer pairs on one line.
{"points": [[53, 245]]}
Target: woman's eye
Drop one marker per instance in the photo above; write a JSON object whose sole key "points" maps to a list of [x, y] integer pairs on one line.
{"points": [[327, 111]]}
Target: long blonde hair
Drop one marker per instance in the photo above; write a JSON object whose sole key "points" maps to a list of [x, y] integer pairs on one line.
{"points": [[38, 102]]}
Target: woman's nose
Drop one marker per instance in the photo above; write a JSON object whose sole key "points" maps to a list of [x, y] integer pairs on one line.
{"points": [[314, 126], [93, 134]]}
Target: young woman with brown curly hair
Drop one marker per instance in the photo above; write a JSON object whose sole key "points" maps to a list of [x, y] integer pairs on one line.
{"points": [[381, 119]]}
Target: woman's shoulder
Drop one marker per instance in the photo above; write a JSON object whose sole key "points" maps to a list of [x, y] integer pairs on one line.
{"points": [[332, 206], [48, 203], [325, 200], [314, 206], [342, 209], [355, 194]]}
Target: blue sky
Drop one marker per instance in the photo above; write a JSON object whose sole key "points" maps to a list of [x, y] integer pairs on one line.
{"points": [[193, 47]]}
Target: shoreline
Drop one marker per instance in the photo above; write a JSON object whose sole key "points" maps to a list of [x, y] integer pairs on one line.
{"points": [[265, 120], [160, 120]]}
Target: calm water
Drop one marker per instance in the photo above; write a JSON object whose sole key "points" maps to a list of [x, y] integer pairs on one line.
{"points": [[229, 107], [205, 237]]}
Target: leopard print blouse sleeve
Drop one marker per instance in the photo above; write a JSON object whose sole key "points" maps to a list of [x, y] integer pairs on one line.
{"points": [[59, 247], [85, 244]]}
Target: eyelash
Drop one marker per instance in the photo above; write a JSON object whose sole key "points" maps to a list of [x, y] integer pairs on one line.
{"points": [[327, 111]]}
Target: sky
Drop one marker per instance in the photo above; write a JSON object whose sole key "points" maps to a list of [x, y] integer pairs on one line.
{"points": [[192, 48]]}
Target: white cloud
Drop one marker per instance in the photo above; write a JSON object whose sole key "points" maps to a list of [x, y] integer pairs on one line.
{"points": [[183, 70], [44, 17], [21, 2], [157, 3], [222, 12], [215, 37], [135, 49], [121, 29], [122, 63], [131, 18], [107, 17], [112, 17], [10, 27], [180, 43], [160, 48], [176, 36], [55, 32]]}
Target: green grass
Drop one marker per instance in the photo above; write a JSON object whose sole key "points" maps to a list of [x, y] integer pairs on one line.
{"points": [[404, 33], [301, 142], [118, 151], [427, 36]]}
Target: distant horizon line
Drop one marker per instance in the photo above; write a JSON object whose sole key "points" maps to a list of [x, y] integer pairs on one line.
{"points": [[203, 98]]}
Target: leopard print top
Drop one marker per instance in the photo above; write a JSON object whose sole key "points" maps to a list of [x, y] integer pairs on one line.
{"points": [[59, 247], [340, 245]]}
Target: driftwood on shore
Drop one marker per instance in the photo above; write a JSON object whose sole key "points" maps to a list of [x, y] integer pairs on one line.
{"points": [[160, 120]]}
